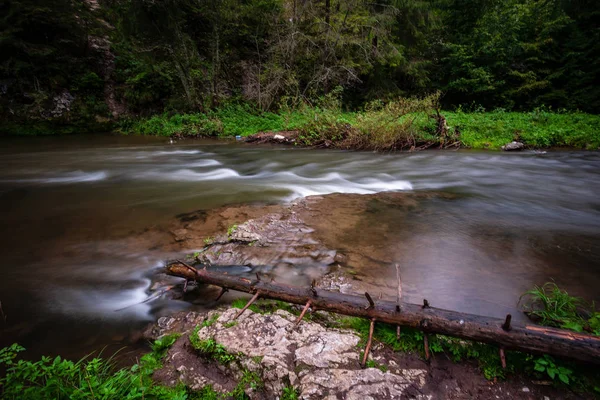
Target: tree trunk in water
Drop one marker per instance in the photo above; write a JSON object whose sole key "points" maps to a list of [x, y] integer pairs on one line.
{"points": [[528, 338]]}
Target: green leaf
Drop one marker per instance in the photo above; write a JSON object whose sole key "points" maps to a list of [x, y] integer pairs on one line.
{"points": [[563, 378]]}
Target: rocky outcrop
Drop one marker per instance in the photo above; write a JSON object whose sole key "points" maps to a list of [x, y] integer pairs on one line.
{"points": [[319, 362]]}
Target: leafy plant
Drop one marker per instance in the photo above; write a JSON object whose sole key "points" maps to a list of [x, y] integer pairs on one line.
{"points": [[548, 365], [85, 379]]}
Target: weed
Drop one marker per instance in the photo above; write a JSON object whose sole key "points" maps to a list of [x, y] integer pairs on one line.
{"points": [[96, 378], [290, 393], [210, 321], [374, 364], [209, 240], [548, 365], [552, 306], [231, 230], [210, 348], [230, 324]]}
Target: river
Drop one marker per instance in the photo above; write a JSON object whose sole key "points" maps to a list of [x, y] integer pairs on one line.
{"points": [[71, 282]]}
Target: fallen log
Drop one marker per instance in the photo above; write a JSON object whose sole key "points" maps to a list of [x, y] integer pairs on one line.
{"points": [[527, 338]]}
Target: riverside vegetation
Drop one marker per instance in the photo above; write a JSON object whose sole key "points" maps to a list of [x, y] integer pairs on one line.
{"points": [[98, 378], [518, 69]]}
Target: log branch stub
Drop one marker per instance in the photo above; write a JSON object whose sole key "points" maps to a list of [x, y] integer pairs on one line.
{"points": [[526, 337], [426, 303], [426, 345], [506, 325], [369, 342], [313, 289], [306, 307], [221, 293], [252, 300], [371, 302]]}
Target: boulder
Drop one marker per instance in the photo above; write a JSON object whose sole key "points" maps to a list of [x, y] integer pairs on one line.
{"points": [[512, 146]]}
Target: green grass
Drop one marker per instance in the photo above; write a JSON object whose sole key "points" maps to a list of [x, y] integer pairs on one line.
{"points": [[552, 306], [396, 125], [538, 129]]}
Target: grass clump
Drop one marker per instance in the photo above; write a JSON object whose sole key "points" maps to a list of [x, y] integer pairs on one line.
{"points": [[290, 393], [552, 306], [210, 348], [85, 379]]}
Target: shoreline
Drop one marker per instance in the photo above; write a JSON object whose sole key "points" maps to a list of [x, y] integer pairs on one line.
{"points": [[383, 130]]}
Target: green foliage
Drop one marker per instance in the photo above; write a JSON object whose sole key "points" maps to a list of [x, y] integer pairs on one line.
{"points": [[265, 306], [210, 348], [210, 321], [540, 128], [96, 378], [290, 393], [165, 125], [375, 364], [548, 365], [553, 306], [231, 230]]}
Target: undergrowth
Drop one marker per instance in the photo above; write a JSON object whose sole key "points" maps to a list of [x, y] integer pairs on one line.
{"points": [[400, 124], [94, 378]]}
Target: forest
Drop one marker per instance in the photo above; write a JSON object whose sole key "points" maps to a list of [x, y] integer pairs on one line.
{"points": [[95, 65]]}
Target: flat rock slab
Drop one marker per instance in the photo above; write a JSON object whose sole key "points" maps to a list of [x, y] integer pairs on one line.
{"points": [[318, 361]]}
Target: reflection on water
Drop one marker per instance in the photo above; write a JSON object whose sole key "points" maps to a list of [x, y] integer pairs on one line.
{"points": [[76, 270]]}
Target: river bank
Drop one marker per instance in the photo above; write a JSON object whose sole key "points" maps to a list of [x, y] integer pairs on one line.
{"points": [[403, 125]]}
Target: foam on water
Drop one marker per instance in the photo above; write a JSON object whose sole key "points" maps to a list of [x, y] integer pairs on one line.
{"points": [[67, 177]]}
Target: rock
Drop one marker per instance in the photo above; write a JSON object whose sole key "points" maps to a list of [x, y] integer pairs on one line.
{"points": [[525, 389], [512, 146], [62, 103], [275, 239], [320, 362], [278, 137], [180, 235]]}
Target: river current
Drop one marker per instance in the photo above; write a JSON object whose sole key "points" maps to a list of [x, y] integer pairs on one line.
{"points": [[70, 281]]}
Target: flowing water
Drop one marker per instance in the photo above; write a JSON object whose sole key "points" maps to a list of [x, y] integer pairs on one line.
{"points": [[70, 281]]}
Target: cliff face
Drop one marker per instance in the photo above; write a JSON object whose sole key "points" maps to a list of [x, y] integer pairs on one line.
{"points": [[56, 66]]}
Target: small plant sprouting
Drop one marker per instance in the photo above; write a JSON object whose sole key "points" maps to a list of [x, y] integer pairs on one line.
{"points": [[290, 393], [210, 348], [231, 230], [209, 240], [230, 324], [210, 321]]}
